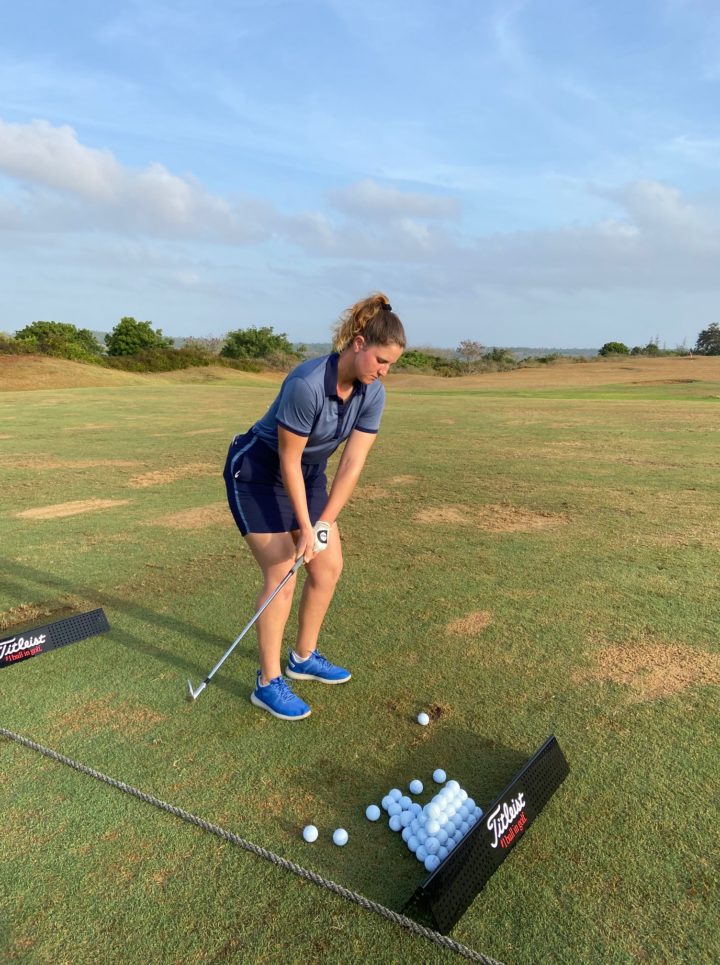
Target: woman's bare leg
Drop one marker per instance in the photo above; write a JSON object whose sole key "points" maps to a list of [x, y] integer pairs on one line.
{"points": [[275, 554], [322, 575]]}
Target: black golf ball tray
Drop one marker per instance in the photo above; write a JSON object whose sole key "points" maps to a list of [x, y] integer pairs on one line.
{"points": [[20, 646], [446, 893]]}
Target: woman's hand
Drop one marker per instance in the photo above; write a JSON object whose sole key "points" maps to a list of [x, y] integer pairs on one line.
{"points": [[305, 543]]}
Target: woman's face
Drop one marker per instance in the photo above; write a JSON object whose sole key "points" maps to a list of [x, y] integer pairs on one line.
{"points": [[373, 361]]}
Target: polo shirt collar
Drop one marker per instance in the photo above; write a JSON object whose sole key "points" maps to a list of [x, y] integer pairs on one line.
{"points": [[331, 377]]}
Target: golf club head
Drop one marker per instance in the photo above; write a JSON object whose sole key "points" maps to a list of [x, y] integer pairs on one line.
{"points": [[194, 694]]}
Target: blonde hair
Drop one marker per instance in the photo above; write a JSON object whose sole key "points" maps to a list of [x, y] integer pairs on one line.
{"points": [[374, 319]]}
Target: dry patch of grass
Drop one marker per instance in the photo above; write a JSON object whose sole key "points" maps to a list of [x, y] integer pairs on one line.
{"points": [[34, 612], [21, 372], [90, 427], [493, 518], [161, 477], [652, 669], [443, 514], [106, 714], [202, 432], [76, 508], [569, 373], [471, 625], [403, 480], [70, 463], [197, 518], [370, 492]]}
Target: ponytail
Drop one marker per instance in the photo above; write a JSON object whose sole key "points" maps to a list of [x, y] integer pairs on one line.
{"points": [[374, 319]]}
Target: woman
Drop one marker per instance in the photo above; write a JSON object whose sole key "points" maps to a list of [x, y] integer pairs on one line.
{"points": [[277, 489]]}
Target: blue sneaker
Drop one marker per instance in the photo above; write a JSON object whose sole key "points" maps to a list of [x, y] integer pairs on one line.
{"points": [[316, 667], [279, 700]]}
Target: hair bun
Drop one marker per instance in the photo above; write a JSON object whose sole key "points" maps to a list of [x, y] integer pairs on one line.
{"points": [[387, 306]]}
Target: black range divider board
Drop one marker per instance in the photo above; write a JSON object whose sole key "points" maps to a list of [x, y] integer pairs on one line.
{"points": [[21, 646], [445, 895]]}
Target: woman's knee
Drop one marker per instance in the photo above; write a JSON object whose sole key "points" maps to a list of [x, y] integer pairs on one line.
{"points": [[273, 577], [327, 571]]}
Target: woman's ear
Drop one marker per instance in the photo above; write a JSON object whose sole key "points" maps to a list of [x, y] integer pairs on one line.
{"points": [[359, 343]]}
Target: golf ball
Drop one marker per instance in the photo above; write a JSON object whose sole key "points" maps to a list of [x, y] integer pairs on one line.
{"points": [[394, 822], [432, 845], [372, 812], [386, 802], [421, 853], [406, 818], [406, 834], [431, 862], [439, 776], [310, 833], [340, 837], [453, 786], [394, 809], [412, 843], [422, 718], [395, 794], [405, 802], [416, 787]]}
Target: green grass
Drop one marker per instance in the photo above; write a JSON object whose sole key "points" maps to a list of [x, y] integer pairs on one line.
{"points": [[621, 866]]}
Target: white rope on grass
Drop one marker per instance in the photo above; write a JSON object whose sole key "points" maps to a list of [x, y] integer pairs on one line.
{"points": [[407, 923]]}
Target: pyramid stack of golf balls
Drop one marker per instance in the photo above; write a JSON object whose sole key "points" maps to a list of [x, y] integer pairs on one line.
{"points": [[431, 832]]}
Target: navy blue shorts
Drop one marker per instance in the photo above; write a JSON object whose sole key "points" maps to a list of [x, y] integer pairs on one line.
{"points": [[255, 489]]}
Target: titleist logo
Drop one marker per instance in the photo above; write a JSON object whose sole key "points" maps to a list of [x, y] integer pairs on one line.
{"points": [[503, 816], [16, 644]]}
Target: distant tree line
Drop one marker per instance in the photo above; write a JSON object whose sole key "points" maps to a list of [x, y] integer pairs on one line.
{"points": [[137, 346], [708, 343]]}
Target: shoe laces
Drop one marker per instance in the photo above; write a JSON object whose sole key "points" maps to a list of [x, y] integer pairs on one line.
{"points": [[323, 661], [281, 689]]}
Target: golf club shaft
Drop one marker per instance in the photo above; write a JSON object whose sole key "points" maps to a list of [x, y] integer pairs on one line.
{"points": [[296, 566]]}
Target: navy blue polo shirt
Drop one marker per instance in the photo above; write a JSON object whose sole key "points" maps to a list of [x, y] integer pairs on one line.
{"points": [[308, 405]]}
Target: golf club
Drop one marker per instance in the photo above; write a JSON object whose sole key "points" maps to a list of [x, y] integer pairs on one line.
{"points": [[194, 694]]}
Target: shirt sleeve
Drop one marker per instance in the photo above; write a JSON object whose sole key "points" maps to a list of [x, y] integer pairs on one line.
{"points": [[372, 409], [297, 407]]}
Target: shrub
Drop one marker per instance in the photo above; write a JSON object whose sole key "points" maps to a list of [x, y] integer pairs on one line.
{"points": [[14, 346], [130, 337], [414, 358], [256, 343], [708, 341], [420, 360], [614, 348], [61, 340], [160, 360]]}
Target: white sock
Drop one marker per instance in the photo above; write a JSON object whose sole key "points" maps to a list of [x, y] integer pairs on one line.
{"points": [[298, 659]]}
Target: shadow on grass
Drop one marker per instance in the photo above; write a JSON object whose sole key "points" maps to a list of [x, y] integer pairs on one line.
{"points": [[18, 576], [388, 872]]}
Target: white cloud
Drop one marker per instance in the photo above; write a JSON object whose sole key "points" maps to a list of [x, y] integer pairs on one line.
{"points": [[377, 202], [69, 184], [657, 239]]}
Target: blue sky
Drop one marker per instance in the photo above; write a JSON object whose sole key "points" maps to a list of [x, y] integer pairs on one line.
{"points": [[519, 172]]}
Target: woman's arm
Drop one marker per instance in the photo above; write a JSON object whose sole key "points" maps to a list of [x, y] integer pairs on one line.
{"points": [[290, 450], [348, 472]]}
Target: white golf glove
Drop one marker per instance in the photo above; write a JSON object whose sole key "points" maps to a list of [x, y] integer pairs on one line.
{"points": [[322, 535]]}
